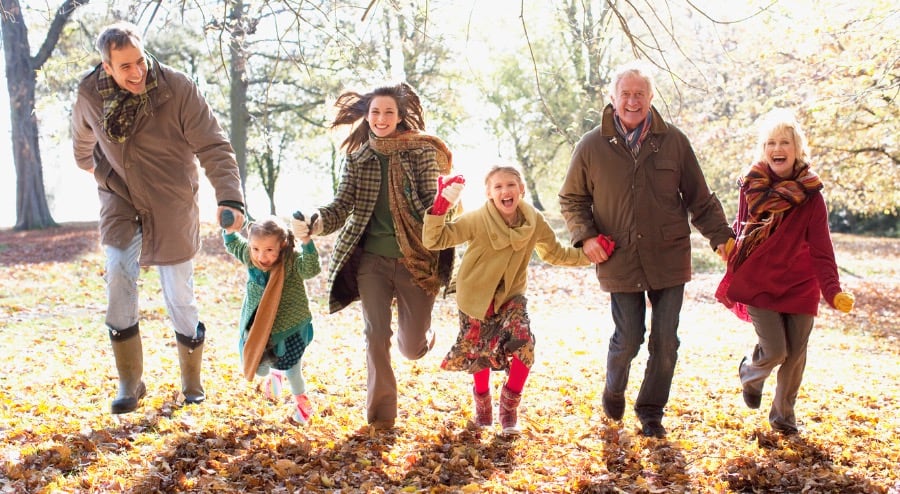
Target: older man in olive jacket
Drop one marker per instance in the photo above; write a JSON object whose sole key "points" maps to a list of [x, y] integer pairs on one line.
{"points": [[635, 178], [140, 127]]}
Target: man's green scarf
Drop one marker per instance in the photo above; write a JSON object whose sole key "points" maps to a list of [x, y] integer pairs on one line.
{"points": [[121, 107]]}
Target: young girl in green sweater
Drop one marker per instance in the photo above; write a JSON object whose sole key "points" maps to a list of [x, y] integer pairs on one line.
{"points": [[276, 322]]}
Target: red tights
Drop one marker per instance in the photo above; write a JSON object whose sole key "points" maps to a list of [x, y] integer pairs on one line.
{"points": [[518, 373]]}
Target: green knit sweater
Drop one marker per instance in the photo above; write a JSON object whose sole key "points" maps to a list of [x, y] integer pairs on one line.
{"points": [[293, 308]]}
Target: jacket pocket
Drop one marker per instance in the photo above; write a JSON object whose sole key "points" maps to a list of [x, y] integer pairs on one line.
{"points": [[665, 180], [107, 178], [675, 231], [102, 170]]}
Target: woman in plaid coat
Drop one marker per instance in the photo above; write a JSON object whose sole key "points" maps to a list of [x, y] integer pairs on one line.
{"points": [[389, 181]]}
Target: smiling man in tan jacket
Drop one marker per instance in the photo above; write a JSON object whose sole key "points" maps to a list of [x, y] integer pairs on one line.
{"points": [[141, 127]]}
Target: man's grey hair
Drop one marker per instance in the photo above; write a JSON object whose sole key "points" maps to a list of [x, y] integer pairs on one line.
{"points": [[636, 68]]}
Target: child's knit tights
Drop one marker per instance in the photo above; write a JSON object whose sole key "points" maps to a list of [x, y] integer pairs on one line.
{"points": [[518, 373], [295, 378]]}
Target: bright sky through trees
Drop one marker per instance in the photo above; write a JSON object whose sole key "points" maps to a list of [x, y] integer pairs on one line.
{"points": [[826, 36]]}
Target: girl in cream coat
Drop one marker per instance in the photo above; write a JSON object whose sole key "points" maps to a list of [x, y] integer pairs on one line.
{"points": [[495, 331]]}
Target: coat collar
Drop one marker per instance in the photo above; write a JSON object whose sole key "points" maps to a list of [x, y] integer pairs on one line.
{"points": [[501, 235], [608, 126]]}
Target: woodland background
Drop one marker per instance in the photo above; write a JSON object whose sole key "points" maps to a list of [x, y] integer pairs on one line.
{"points": [[502, 81]]}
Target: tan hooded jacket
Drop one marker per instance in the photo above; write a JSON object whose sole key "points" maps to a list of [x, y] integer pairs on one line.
{"points": [[151, 180]]}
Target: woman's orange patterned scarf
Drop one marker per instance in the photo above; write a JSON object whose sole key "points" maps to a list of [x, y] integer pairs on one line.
{"points": [[421, 262], [769, 198]]}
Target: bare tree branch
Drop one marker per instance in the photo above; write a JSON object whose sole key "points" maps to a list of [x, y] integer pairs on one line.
{"points": [[716, 21], [371, 4], [59, 21], [537, 78]]}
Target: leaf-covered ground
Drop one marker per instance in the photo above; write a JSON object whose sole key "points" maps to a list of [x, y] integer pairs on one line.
{"points": [[57, 378]]}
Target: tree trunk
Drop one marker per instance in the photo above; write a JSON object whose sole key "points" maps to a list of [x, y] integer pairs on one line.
{"points": [[238, 94], [32, 211], [530, 183], [527, 171]]}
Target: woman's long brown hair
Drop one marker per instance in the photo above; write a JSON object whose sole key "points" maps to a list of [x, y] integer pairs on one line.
{"points": [[353, 106]]}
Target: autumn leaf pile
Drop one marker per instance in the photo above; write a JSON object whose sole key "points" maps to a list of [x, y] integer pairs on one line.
{"points": [[57, 379]]}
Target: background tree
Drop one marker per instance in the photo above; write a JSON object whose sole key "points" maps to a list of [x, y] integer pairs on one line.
{"points": [[427, 60], [294, 74], [300, 57], [550, 92], [21, 78], [838, 70], [239, 26], [534, 140], [526, 82]]}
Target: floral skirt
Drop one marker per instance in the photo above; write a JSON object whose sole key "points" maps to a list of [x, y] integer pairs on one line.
{"points": [[492, 343]]}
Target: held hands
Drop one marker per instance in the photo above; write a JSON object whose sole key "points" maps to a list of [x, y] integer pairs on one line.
{"points": [[599, 248], [724, 250], [608, 244], [300, 229], [448, 193], [843, 302], [230, 219], [304, 230]]}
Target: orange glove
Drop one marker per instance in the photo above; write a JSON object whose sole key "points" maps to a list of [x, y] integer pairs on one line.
{"points": [[727, 247], [843, 301]]}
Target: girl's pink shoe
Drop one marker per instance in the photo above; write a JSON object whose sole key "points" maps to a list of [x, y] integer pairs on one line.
{"points": [[302, 412], [272, 385]]}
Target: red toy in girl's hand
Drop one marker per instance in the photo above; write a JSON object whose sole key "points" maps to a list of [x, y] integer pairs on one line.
{"points": [[441, 204], [608, 244]]}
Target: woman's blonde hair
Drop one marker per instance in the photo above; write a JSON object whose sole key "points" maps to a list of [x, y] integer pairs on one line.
{"points": [[782, 121]]}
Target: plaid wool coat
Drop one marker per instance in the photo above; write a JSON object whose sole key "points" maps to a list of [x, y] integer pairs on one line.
{"points": [[353, 206]]}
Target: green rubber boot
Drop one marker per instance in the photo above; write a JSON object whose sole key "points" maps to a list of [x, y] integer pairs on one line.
{"points": [[129, 354], [190, 358]]}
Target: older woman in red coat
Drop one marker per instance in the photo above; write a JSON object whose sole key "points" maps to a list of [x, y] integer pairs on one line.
{"points": [[782, 260]]}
